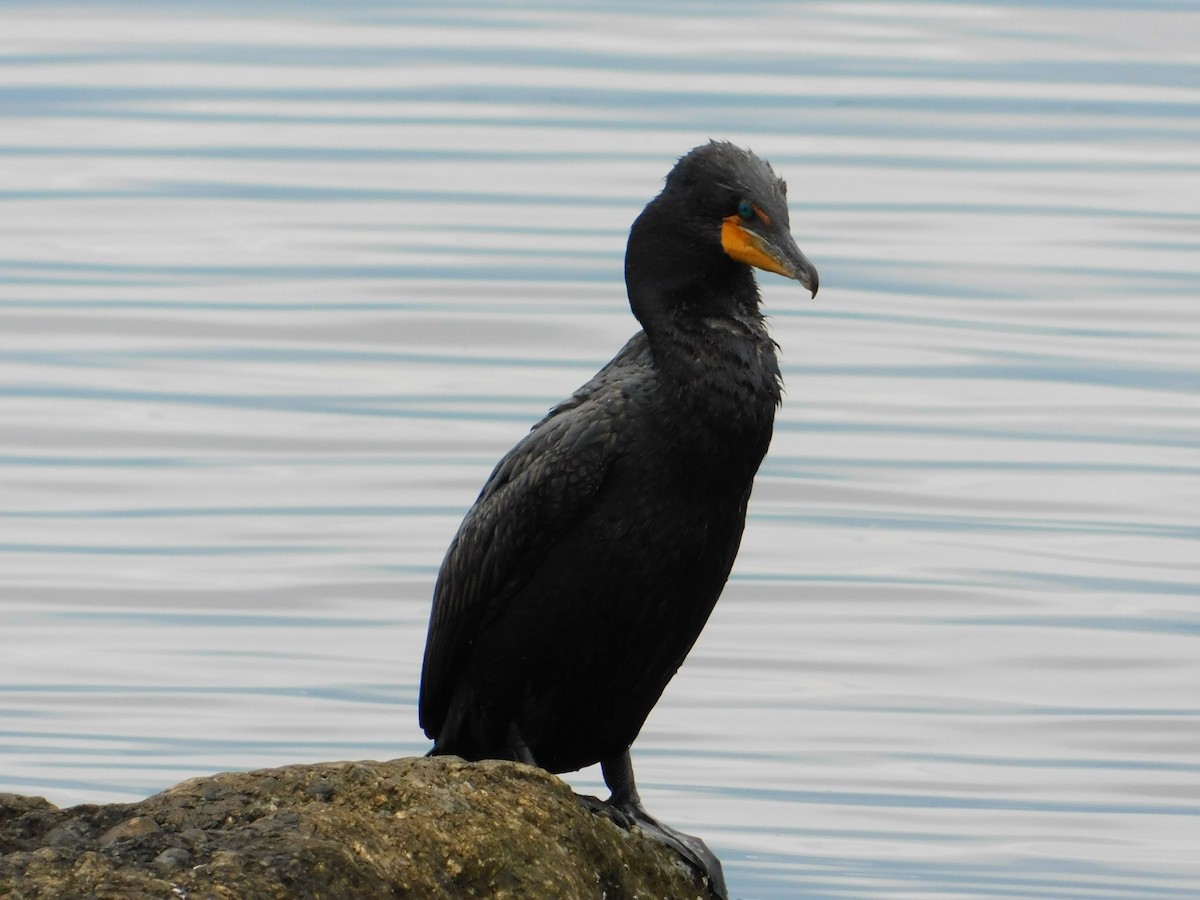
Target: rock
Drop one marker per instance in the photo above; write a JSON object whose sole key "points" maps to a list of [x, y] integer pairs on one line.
{"points": [[137, 827], [421, 828], [172, 858]]}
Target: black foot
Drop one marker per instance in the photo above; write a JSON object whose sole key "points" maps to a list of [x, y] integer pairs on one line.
{"points": [[604, 809], [625, 808], [690, 848]]}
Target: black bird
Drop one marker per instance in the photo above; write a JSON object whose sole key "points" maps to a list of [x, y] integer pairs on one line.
{"points": [[591, 560]]}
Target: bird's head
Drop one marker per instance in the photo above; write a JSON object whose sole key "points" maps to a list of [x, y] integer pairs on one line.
{"points": [[728, 201]]}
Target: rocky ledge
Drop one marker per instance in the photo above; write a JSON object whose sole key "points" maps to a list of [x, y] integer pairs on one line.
{"points": [[421, 828]]}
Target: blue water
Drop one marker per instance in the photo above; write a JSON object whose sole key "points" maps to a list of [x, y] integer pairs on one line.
{"points": [[279, 283]]}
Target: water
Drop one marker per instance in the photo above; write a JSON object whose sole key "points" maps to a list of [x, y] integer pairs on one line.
{"points": [[279, 283]]}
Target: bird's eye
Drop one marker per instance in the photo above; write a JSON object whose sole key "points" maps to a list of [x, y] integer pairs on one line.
{"points": [[746, 209]]}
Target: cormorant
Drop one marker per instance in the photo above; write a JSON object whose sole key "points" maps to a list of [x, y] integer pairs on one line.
{"points": [[591, 560]]}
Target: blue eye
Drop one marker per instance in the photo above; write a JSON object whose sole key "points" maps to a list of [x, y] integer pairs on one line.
{"points": [[746, 209]]}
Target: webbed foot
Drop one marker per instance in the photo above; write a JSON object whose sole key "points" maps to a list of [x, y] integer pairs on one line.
{"points": [[625, 810]]}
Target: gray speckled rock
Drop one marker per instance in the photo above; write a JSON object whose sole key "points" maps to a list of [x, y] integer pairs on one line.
{"points": [[421, 828]]}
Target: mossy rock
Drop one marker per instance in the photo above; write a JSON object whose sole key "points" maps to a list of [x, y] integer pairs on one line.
{"points": [[421, 828]]}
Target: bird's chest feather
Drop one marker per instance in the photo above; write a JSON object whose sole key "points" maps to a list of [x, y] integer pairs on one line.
{"points": [[678, 485], [724, 391]]}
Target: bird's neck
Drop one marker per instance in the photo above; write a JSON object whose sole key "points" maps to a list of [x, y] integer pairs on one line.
{"points": [[719, 359], [672, 278], [700, 312]]}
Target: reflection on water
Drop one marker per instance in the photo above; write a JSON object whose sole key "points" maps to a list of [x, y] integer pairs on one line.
{"points": [[278, 286]]}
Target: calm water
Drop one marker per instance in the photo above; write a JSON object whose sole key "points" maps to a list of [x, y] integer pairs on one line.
{"points": [[278, 284]]}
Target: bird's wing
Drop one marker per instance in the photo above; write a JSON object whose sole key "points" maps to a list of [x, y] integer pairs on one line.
{"points": [[545, 484]]}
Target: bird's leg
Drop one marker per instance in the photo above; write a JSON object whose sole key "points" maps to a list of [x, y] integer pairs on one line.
{"points": [[517, 746], [625, 808], [618, 775]]}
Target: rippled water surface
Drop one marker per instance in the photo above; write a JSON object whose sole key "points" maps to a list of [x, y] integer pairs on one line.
{"points": [[279, 283]]}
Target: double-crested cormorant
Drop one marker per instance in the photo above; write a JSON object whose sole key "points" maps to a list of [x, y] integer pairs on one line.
{"points": [[587, 567]]}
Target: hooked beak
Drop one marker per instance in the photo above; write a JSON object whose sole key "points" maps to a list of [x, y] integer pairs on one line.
{"points": [[776, 252]]}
